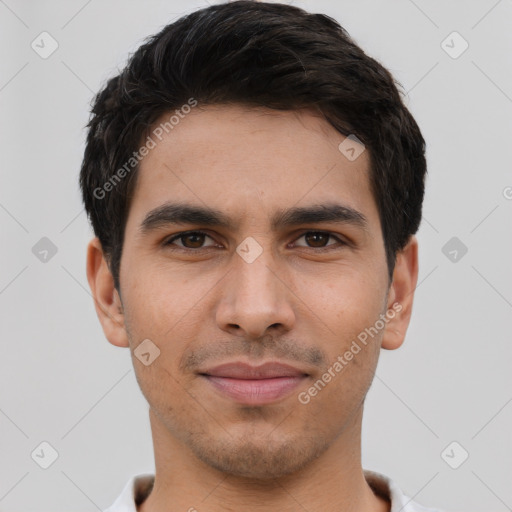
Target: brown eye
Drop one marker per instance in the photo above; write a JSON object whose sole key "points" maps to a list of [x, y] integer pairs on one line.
{"points": [[193, 240], [319, 240], [190, 240]]}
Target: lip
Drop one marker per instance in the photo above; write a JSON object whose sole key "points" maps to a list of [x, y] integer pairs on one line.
{"points": [[254, 385]]}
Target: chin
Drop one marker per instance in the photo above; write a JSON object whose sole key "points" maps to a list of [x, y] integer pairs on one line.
{"points": [[259, 460]]}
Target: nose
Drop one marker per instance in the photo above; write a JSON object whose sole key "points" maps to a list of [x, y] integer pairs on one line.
{"points": [[256, 299]]}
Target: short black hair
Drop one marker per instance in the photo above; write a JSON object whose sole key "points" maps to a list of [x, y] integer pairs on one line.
{"points": [[256, 54]]}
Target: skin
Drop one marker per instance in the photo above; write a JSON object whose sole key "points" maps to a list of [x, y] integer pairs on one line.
{"points": [[294, 304]]}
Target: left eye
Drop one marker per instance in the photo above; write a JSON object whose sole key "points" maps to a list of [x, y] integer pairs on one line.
{"points": [[318, 239]]}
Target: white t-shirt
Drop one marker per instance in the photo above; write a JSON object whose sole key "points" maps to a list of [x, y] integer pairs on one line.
{"points": [[138, 488]]}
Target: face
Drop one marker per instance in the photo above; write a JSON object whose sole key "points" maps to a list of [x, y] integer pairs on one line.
{"points": [[253, 263]]}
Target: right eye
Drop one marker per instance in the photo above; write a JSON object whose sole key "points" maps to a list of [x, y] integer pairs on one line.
{"points": [[189, 240]]}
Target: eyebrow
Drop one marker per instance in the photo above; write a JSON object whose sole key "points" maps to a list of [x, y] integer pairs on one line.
{"points": [[182, 213]]}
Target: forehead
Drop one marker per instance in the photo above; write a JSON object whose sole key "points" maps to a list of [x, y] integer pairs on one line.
{"points": [[250, 162]]}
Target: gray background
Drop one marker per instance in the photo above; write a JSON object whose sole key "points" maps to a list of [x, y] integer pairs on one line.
{"points": [[63, 383]]}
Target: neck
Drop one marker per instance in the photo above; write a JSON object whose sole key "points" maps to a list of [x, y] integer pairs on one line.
{"points": [[332, 482]]}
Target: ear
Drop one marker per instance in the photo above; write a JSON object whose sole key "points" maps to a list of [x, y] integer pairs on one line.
{"points": [[106, 298], [401, 295]]}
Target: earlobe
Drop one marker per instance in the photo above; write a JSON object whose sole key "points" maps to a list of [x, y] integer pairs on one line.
{"points": [[401, 295], [106, 298]]}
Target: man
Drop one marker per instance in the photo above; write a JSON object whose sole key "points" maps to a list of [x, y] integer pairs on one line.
{"points": [[254, 182]]}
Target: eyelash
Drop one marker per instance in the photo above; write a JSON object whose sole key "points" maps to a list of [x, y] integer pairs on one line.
{"points": [[169, 241]]}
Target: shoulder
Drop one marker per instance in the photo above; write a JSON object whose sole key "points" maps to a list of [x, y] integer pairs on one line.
{"points": [[135, 491], [386, 487]]}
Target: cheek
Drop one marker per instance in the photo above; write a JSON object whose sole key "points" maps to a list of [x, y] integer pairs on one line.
{"points": [[161, 301], [349, 307], [352, 351], [346, 302], [171, 330], [158, 310]]}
